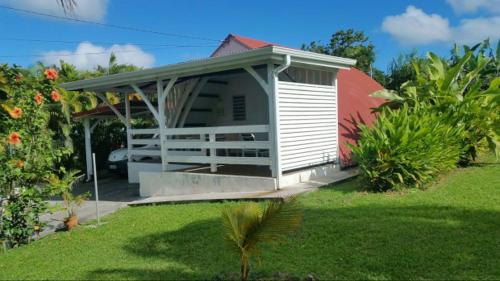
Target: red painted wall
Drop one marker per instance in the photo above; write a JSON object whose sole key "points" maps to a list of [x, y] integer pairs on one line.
{"points": [[355, 105]]}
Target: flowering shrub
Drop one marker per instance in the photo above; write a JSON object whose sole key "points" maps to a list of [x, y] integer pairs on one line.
{"points": [[32, 143]]}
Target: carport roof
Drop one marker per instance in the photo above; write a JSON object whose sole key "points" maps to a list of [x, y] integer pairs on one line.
{"points": [[105, 111], [270, 54]]}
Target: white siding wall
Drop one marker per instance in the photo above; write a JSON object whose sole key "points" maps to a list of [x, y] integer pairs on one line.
{"points": [[308, 124], [255, 98]]}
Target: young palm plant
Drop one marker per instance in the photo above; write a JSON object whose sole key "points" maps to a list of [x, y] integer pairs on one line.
{"points": [[248, 226]]}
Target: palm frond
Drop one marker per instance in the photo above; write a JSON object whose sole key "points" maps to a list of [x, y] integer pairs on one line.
{"points": [[238, 221], [279, 219], [247, 226]]}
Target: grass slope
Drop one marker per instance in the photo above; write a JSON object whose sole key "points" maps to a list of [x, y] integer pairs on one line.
{"points": [[451, 231]]}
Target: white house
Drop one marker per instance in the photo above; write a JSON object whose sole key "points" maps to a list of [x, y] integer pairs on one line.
{"points": [[245, 119]]}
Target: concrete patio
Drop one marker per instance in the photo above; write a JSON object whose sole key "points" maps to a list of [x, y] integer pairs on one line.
{"points": [[114, 194]]}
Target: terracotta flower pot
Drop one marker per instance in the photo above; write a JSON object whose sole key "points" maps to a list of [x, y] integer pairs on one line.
{"points": [[71, 222]]}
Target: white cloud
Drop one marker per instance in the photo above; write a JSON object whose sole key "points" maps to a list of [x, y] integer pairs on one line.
{"points": [[472, 6], [85, 9], [471, 31], [87, 56], [415, 27]]}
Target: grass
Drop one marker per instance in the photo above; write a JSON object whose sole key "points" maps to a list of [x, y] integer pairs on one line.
{"points": [[450, 231]]}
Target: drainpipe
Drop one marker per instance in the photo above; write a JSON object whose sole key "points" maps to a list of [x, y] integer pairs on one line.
{"points": [[277, 146]]}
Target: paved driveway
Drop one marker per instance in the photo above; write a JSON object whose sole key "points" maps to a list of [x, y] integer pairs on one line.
{"points": [[114, 193]]}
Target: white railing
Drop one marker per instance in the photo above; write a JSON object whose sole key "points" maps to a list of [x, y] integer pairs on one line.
{"points": [[219, 145], [147, 147]]}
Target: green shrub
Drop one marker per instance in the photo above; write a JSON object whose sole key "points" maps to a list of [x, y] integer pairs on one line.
{"points": [[464, 90], [406, 148]]}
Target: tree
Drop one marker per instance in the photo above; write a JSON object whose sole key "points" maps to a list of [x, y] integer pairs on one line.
{"points": [[247, 226], [114, 67], [349, 44], [401, 70]]}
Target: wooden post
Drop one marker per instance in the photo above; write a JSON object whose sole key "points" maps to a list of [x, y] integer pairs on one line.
{"points": [[162, 121], [213, 165], [335, 84], [88, 148], [128, 125], [273, 152], [162, 124]]}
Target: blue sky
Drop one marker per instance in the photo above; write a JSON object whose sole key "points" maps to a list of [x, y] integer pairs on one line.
{"points": [[393, 26]]}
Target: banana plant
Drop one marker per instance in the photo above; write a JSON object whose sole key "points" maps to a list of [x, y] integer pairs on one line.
{"points": [[248, 226], [464, 91]]}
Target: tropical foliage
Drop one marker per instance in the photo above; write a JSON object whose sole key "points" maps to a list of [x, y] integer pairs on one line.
{"points": [[460, 93], [34, 139], [449, 108], [406, 148], [247, 226]]}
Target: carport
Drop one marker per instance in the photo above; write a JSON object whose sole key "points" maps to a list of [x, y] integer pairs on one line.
{"points": [[92, 118]]}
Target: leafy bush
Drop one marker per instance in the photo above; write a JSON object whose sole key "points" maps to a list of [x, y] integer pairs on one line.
{"points": [[406, 148], [34, 130], [464, 91]]}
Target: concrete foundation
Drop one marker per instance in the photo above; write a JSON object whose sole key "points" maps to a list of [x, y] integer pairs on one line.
{"points": [[306, 175], [182, 183], [134, 168], [157, 183]]}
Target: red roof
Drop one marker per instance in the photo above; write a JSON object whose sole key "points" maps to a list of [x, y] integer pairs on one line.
{"points": [[247, 42], [250, 42], [355, 107]]}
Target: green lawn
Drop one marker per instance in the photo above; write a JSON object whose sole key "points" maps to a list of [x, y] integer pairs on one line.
{"points": [[451, 231]]}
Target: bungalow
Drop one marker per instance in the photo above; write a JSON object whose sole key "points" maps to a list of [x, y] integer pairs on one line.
{"points": [[254, 116]]}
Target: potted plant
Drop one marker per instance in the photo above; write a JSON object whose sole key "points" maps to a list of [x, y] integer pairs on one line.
{"points": [[71, 202]]}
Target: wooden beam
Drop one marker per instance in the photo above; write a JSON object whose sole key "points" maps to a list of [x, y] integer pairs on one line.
{"points": [[183, 100], [256, 76], [167, 89], [191, 100], [111, 106], [146, 101], [96, 123]]}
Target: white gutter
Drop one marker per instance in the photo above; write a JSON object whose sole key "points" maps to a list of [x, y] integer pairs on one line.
{"points": [[277, 139]]}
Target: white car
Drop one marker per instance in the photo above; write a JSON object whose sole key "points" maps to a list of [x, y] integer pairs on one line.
{"points": [[117, 159]]}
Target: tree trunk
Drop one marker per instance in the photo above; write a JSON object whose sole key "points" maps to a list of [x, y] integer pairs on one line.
{"points": [[244, 268]]}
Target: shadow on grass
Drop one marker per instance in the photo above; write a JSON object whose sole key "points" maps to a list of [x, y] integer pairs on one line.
{"points": [[362, 242]]}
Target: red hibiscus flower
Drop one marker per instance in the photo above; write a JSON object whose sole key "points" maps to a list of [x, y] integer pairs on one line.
{"points": [[16, 113], [14, 138], [39, 99], [55, 96], [51, 74]]}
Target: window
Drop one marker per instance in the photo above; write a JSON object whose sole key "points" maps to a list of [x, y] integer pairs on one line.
{"points": [[239, 108]]}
